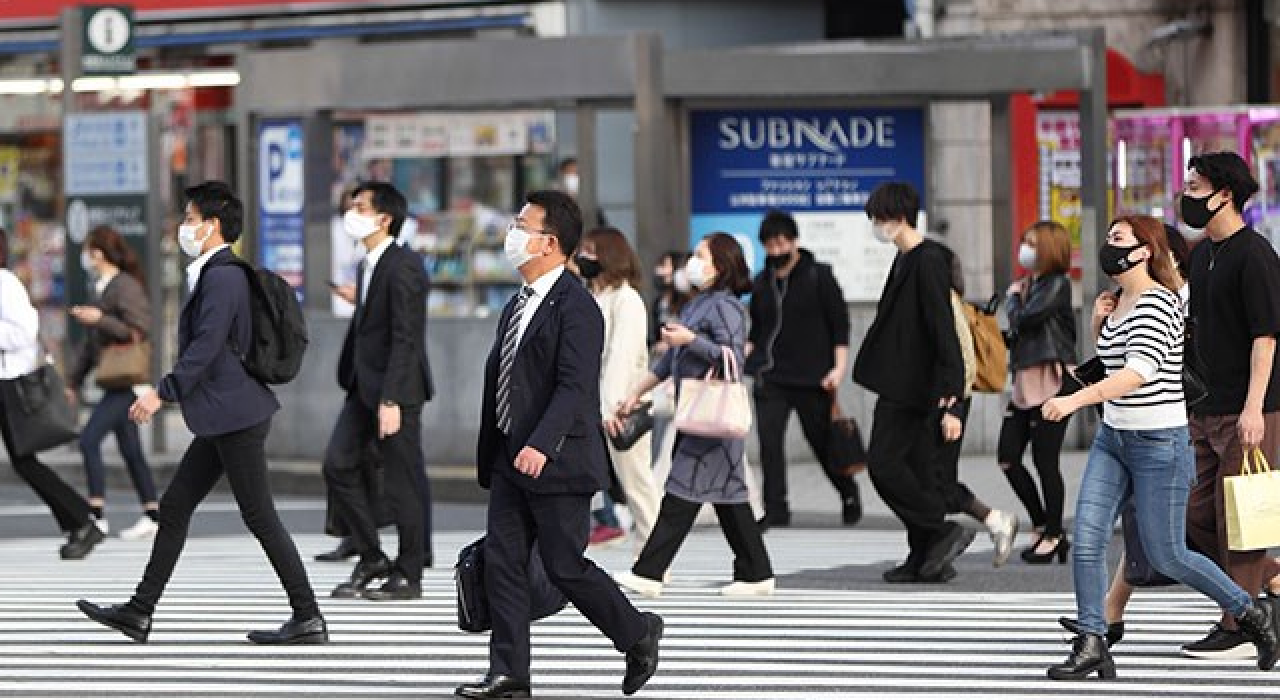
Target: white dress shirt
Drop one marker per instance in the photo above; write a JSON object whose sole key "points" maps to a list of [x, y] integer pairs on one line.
{"points": [[370, 263], [541, 288], [193, 270], [19, 328]]}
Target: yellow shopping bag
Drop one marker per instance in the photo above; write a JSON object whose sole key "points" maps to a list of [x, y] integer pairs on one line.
{"points": [[1253, 505]]}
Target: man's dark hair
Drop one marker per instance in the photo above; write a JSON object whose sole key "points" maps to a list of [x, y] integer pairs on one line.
{"points": [[566, 163], [894, 201], [563, 218], [1227, 171], [216, 200], [732, 273], [778, 223], [386, 199]]}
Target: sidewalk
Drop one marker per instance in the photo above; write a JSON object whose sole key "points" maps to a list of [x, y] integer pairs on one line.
{"points": [[813, 501]]}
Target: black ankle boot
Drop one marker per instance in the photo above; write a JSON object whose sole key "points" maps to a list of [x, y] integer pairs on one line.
{"points": [[1258, 624], [1088, 654]]}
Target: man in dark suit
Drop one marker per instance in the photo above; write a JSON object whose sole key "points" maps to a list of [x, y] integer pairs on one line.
{"points": [[383, 368], [230, 414], [541, 454]]}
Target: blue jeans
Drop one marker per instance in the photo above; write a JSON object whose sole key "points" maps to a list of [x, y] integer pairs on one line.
{"points": [[112, 415], [1155, 468]]}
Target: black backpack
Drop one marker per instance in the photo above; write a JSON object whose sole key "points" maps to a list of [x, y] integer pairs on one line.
{"points": [[279, 328]]}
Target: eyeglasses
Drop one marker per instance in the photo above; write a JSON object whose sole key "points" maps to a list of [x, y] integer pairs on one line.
{"points": [[516, 225]]}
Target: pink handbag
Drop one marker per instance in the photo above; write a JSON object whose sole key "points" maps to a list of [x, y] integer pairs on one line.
{"points": [[715, 408]]}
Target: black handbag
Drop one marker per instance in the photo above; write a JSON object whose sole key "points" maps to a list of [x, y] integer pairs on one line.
{"points": [[637, 423], [37, 411], [1138, 571], [545, 599], [846, 454]]}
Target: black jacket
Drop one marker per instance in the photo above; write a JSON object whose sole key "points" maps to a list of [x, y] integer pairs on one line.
{"points": [[797, 321], [384, 355], [1042, 326], [911, 354], [555, 397]]}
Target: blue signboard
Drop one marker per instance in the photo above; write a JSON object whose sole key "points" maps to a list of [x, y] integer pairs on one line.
{"points": [[819, 164], [281, 197]]}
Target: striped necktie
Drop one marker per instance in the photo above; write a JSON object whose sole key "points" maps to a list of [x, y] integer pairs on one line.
{"points": [[508, 358]]}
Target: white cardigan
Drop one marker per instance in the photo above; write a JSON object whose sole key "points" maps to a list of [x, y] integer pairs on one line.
{"points": [[19, 328], [626, 344]]}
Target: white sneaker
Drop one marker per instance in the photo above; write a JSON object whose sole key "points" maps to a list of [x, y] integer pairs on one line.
{"points": [[1003, 528], [749, 588], [103, 526], [646, 587], [144, 529]]}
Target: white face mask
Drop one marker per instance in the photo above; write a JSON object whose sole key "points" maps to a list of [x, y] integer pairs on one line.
{"points": [[515, 247], [571, 183], [680, 280], [697, 272], [882, 232], [1027, 257], [358, 226], [86, 262], [187, 239]]}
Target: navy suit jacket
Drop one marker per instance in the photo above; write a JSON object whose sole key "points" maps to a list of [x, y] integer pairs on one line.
{"points": [[555, 397], [209, 380]]}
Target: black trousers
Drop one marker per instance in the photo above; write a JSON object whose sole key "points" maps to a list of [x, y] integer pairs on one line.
{"points": [[241, 456], [774, 405], [900, 460], [956, 495], [1020, 427], [353, 502], [559, 523], [336, 527], [676, 518], [68, 507]]}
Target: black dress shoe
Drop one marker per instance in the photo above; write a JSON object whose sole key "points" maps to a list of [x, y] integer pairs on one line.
{"points": [[945, 550], [82, 541], [124, 618], [948, 572], [642, 659], [366, 571], [298, 630], [1115, 630], [908, 572], [344, 551], [428, 560], [396, 587], [851, 509], [493, 686], [1088, 654]]}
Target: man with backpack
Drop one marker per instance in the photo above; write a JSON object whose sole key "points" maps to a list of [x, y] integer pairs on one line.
{"points": [[383, 368], [228, 407]]}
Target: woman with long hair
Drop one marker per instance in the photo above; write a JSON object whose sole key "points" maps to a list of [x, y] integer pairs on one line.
{"points": [[1142, 451], [1042, 330], [704, 469], [612, 271], [121, 313], [20, 354]]}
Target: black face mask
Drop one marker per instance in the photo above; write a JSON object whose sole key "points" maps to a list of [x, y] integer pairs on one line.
{"points": [[588, 267], [777, 261], [1114, 260], [1195, 210]]}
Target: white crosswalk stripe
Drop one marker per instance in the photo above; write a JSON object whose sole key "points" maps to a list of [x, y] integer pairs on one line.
{"points": [[919, 642]]}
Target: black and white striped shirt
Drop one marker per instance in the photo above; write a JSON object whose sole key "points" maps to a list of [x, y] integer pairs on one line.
{"points": [[1147, 340]]}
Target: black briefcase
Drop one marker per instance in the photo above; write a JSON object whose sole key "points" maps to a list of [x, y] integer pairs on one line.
{"points": [[545, 599]]}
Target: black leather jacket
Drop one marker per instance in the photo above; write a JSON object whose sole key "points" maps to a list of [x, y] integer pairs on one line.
{"points": [[1042, 326]]}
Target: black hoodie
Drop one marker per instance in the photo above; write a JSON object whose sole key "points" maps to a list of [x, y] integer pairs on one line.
{"points": [[796, 323]]}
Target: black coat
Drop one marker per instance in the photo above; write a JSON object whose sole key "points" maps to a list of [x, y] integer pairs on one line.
{"points": [[384, 355], [555, 396], [911, 354], [1042, 326]]}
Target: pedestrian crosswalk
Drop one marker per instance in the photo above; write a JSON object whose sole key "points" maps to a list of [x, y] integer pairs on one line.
{"points": [[803, 642]]}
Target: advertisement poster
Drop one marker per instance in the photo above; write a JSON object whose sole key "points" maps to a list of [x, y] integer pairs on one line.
{"points": [[281, 190], [818, 164]]}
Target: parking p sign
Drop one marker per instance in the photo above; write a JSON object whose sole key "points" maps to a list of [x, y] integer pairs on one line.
{"points": [[281, 175]]}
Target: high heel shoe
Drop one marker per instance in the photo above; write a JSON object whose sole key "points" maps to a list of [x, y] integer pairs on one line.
{"points": [[1089, 653], [1031, 556]]}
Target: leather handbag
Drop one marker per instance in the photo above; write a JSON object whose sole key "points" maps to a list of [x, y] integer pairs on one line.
{"points": [[715, 408], [846, 454], [37, 411], [474, 614], [635, 426], [123, 365]]}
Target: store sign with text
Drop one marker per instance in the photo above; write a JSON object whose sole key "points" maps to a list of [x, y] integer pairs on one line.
{"points": [[281, 197], [818, 164]]}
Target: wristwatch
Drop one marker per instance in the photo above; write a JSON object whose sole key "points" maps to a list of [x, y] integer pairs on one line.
{"points": [[388, 403]]}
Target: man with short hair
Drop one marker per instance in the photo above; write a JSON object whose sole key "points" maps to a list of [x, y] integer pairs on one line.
{"points": [[1235, 316], [208, 379], [541, 454], [797, 350], [911, 359], [383, 368]]}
